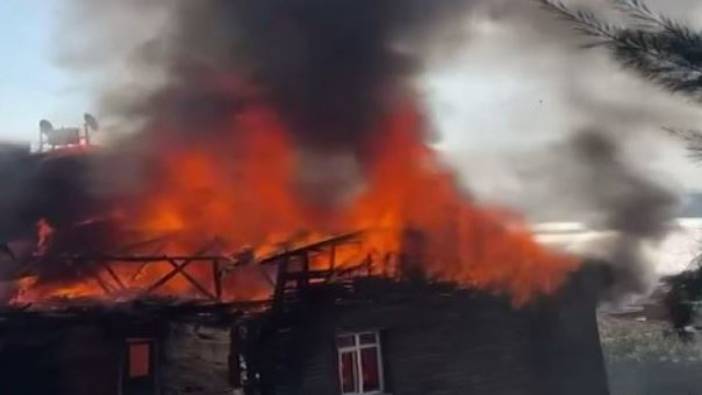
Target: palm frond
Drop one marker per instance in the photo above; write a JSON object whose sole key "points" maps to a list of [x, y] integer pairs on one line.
{"points": [[662, 58], [648, 19], [693, 143], [659, 49], [583, 21]]}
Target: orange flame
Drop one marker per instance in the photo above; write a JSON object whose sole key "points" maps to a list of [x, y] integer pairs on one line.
{"points": [[241, 188]]}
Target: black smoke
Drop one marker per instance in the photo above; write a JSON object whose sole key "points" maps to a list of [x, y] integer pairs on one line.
{"points": [[637, 209], [330, 68]]}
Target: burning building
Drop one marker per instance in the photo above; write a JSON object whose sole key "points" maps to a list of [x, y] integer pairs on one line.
{"points": [[460, 298], [281, 225]]}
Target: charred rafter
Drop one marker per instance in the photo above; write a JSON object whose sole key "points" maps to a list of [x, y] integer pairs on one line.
{"points": [[314, 247], [179, 267], [293, 268]]}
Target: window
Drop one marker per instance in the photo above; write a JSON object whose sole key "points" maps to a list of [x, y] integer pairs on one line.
{"points": [[139, 358], [139, 371], [360, 363]]}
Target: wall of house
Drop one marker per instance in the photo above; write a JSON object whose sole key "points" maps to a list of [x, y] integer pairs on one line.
{"points": [[67, 355], [432, 347], [196, 360], [52, 355], [452, 344], [78, 360]]}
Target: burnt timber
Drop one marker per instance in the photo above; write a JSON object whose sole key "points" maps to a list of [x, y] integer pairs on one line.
{"points": [[219, 265]]}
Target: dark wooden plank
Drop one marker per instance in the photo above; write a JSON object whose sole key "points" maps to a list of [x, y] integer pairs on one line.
{"points": [[311, 247], [114, 275], [191, 279], [163, 280], [217, 279], [101, 283]]}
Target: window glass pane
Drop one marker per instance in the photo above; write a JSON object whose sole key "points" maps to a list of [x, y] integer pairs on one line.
{"points": [[370, 368], [139, 358], [346, 341], [369, 338], [349, 374]]}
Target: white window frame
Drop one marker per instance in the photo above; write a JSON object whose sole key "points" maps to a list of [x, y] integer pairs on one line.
{"points": [[356, 349]]}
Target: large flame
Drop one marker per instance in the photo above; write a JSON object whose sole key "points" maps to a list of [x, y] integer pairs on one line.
{"points": [[239, 186]]}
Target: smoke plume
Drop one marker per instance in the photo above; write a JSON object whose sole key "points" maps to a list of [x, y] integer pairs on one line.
{"points": [[638, 210], [331, 69]]}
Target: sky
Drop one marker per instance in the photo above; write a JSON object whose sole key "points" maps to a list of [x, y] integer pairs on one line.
{"points": [[32, 85]]}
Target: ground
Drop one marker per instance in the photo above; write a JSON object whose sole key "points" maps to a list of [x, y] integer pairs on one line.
{"points": [[643, 356]]}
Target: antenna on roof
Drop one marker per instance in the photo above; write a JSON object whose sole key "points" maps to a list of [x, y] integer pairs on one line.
{"points": [[45, 129], [91, 125]]}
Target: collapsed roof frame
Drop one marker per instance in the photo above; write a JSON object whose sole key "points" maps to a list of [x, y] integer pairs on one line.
{"points": [[288, 275]]}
